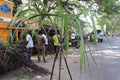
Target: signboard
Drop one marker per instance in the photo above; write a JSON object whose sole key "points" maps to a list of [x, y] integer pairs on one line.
{"points": [[5, 19], [6, 10]]}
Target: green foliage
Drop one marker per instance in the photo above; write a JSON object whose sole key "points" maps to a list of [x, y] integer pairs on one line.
{"points": [[66, 15], [24, 76], [109, 6], [16, 3]]}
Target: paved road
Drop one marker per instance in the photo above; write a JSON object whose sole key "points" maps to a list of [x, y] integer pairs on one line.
{"points": [[103, 64], [107, 59]]}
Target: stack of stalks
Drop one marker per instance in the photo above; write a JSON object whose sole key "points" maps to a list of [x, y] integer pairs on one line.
{"points": [[11, 59]]}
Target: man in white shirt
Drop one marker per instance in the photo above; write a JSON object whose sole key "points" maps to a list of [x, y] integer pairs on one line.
{"points": [[29, 45], [73, 37]]}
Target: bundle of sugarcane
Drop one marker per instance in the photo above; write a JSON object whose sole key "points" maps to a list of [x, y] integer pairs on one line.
{"points": [[11, 59]]}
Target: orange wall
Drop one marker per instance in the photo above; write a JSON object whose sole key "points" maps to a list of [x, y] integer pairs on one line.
{"points": [[5, 18], [4, 21], [3, 24], [4, 34]]}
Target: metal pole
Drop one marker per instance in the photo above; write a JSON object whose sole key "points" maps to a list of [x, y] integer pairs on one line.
{"points": [[61, 54], [53, 65], [67, 67], [60, 64]]}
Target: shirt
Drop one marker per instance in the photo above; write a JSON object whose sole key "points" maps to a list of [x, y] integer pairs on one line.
{"points": [[56, 41], [40, 41], [30, 41], [73, 36], [45, 38]]}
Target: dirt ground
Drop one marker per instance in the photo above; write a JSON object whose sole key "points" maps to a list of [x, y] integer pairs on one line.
{"points": [[72, 61]]}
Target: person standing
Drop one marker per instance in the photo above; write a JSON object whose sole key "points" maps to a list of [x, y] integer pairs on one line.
{"points": [[73, 37], [29, 45], [41, 47], [93, 38], [56, 44], [46, 42]]}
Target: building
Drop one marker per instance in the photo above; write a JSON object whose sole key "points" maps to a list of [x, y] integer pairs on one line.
{"points": [[8, 33]]}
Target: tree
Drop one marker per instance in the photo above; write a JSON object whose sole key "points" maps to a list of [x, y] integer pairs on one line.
{"points": [[66, 14], [16, 3]]}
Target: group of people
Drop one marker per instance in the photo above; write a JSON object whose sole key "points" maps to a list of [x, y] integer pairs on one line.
{"points": [[42, 45]]}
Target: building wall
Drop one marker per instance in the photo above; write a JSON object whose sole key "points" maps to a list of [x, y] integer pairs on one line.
{"points": [[6, 10], [5, 17], [4, 34]]}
